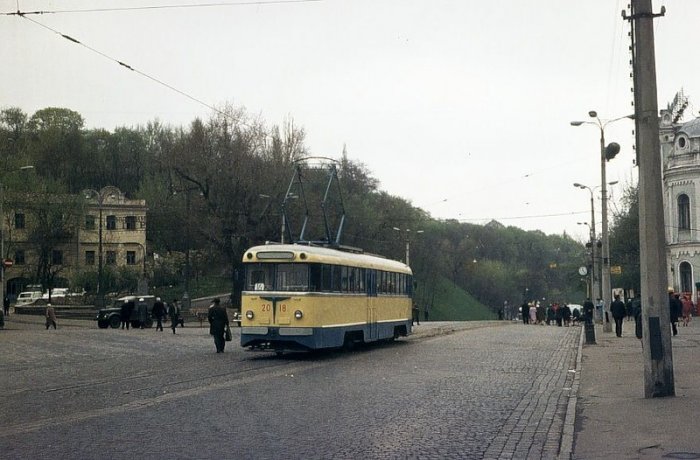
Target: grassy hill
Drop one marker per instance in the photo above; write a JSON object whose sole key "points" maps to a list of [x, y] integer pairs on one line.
{"points": [[452, 303]]}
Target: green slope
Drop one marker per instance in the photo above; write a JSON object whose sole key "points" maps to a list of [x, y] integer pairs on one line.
{"points": [[451, 303]]}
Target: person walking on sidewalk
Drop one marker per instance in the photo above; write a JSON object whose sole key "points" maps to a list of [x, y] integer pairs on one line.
{"points": [[687, 310], [676, 309], [617, 308], [50, 316]]}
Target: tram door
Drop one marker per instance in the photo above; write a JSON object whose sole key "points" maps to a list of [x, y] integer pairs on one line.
{"points": [[372, 283]]}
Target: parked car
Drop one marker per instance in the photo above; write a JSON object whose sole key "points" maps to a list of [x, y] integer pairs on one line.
{"points": [[111, 316], [27, 298], [56, 293]]}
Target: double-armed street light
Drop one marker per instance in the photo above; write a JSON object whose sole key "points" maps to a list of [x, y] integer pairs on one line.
{"points": [[407, 237], [606, 153], [2, 230]]}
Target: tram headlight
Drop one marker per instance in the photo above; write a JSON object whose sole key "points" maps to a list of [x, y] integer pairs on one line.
{"points": [[249, 314], [298, 314]]}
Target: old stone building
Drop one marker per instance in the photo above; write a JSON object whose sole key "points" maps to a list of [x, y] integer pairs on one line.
{"points": [[680, 153], [109, 232]]}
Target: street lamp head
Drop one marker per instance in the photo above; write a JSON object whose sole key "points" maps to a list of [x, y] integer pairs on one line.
{"points": [[592, 114], [576, 123], [576, 184]]}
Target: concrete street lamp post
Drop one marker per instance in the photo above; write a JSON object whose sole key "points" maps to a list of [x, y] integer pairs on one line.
{"points": [[606, 153], [408, 242]]}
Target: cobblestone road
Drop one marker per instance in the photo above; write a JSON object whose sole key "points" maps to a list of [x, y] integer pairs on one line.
{"points": [[488, 392]]}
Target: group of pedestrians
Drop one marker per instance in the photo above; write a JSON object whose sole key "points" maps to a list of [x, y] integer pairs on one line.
{"points": [[560, 314], [159, 311]]}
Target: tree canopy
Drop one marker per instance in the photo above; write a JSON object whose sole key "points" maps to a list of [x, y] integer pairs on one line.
{"points": [[216, 187]]}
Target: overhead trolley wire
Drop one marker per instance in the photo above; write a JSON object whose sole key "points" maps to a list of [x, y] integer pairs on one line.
{"points": [[128, 67], [158, 7]]}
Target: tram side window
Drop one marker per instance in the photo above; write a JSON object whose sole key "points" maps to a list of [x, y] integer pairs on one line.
{"points": [[292, 277], [336, 278], [344, 279], [315, 277], [259, 277]]}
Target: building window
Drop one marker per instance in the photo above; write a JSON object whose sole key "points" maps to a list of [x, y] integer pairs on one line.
{"points": [[56, 257], [89, 257], [131, 257], [111, 257], [683, 212], [111, 222], [686, 274], [89, 222], [19, 220], [19, 257], [130, 222]]}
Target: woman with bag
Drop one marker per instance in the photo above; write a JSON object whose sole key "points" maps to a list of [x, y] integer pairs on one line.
{"points": [[218, 324]]}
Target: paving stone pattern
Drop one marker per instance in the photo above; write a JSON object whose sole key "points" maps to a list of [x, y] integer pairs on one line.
{"points": [[488, 392]]}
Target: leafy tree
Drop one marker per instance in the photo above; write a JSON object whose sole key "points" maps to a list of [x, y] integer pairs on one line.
{"points": [[624, 242]]}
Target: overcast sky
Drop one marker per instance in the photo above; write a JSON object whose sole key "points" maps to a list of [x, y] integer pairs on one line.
{"points": [[462, 107]]}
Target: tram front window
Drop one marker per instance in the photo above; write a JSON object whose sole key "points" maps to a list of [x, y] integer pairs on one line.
{"points": [[292, 277], [259, 277]]}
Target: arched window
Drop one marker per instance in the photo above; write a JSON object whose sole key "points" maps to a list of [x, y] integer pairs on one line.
{"points": [[683, 212], [686, 274]]}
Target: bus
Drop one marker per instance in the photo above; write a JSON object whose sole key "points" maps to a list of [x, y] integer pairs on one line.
{"points": [[311, 297]]}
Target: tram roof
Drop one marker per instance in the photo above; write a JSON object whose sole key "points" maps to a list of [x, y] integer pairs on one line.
{"points": [[293, 253]]}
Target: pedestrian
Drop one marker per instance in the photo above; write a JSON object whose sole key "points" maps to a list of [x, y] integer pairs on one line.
{"points": [[173, 313], [533, 313], [425, 312], [415, 317], [617, 308], [218, 322], [159, 313], [687, 309], [588, 311], [558, 314], [550, 314], [525, 312], [50, 316], [637, 311], [143, 312], [566, 314], [541, 313], [125, 313], [6, 305], [676, 308]]}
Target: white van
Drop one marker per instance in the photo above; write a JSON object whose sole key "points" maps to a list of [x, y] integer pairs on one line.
{"points": [[27, 298]]}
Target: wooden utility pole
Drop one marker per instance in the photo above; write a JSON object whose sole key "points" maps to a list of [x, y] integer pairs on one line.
{"points": [[658, 354]]}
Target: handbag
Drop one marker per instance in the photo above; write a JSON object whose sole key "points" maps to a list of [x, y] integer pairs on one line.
{"points": [[227, 334]]}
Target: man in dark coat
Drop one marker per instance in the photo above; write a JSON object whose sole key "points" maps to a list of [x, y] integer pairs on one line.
{"points": [[173, 313], [218, 322], [525, 312], [125, 313], [159, 313], [618, 310], [143, 312], [676, 309], [588, 310]]}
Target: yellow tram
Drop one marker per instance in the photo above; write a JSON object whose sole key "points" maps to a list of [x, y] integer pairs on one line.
{"points": [[308, 297]]}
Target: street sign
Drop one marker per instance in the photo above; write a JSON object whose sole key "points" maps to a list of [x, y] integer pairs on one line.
{"points": [[7, 263]]}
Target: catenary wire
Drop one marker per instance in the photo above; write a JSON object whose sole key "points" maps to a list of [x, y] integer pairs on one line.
{"points": [[158, 7], [128, 67]]}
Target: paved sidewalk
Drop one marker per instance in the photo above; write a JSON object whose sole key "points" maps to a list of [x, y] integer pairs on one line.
{"points": [[615, 421]]}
